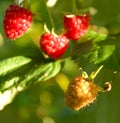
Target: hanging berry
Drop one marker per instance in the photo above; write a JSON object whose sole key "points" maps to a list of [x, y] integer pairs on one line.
{"points": [[17, 20], [83, 91], [80, 93], [76, 25], [54, 46]]}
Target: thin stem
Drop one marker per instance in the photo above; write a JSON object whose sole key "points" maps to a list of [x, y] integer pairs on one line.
{"points": [[100, 89], [50, 16], [74, 5], [26, 3]]}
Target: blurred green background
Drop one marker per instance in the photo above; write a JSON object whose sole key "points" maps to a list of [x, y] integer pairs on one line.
{"points": [[44, 102]]}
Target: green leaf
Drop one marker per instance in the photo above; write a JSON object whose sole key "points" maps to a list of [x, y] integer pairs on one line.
{"points": [[41, 73], [56, 66], [29, 75], [13, 63], [94, 36], [93, 47], [100, 53], [9, 83], [114, 61]]}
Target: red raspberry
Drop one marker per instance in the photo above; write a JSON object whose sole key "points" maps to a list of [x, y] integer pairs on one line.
{"points": [[76, 25], [80, 92], [16, 21], [54, 46]]}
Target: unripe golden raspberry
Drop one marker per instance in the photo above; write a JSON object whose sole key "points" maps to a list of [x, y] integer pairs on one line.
{"points": [[80, 92]]}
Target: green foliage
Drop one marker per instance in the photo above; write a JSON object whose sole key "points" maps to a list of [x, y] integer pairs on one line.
{"points": [[10, 64], [94, 47], [98, 49], [22, 64], [17, 71]]}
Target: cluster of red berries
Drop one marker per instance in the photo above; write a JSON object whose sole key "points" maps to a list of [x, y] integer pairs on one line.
{"points": [[55, 46], [17, 21]]}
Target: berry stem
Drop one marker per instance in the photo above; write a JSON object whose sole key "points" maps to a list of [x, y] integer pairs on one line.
{"points": [[74, 6], [50, 17], [26, 4], [100, 89]]}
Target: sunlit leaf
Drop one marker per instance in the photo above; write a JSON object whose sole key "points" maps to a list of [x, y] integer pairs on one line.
{"points": [[13, 63], [29, 74], [100, 54], [40, 73], [94, 47]]}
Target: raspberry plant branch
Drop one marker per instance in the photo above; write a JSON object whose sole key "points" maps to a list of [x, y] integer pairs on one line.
{"points": [[91, 46]]}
